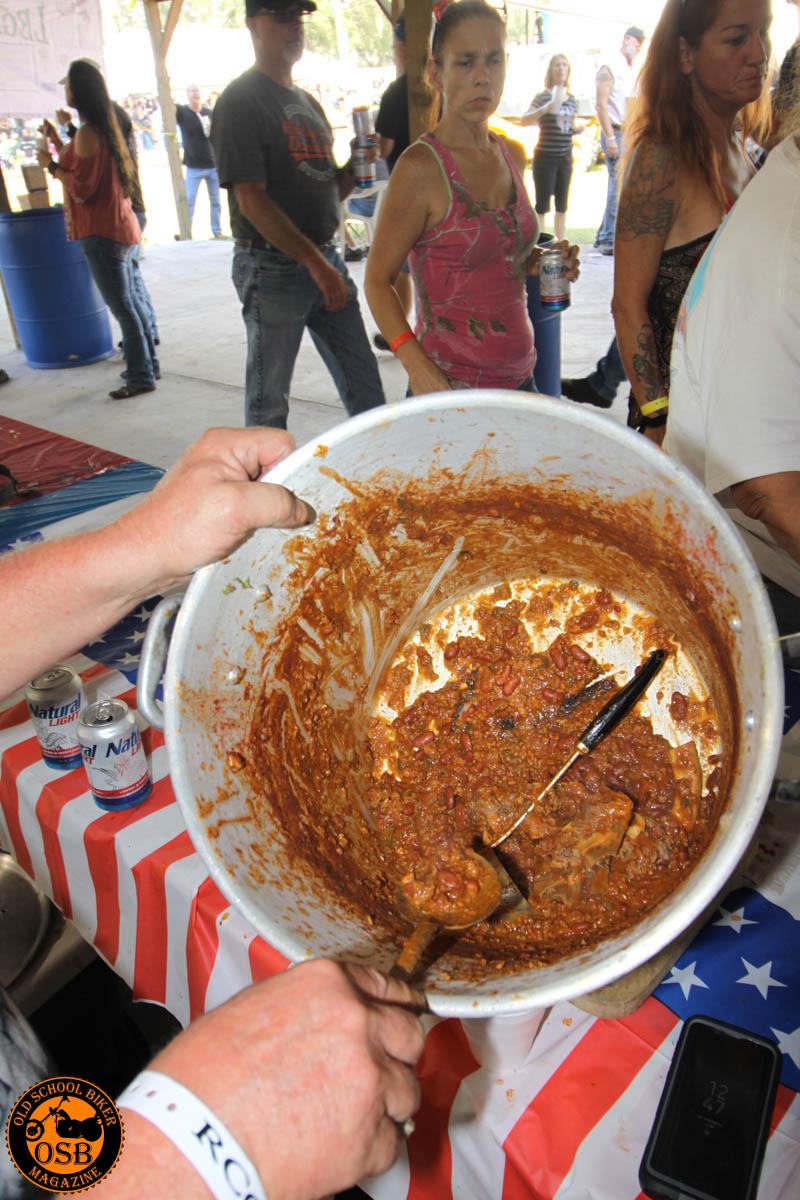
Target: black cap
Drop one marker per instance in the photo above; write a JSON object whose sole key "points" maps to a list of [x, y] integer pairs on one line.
{"points": [[253, 7], [635, 32]]}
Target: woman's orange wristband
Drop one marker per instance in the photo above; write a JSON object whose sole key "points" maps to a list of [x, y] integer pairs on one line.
{"points": [[401, 339]]}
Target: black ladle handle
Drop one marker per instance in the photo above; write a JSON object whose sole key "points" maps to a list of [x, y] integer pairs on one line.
{"points": [[618, 706]]}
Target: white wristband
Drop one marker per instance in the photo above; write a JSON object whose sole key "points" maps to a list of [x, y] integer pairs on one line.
{"points": [[200, 1136]]}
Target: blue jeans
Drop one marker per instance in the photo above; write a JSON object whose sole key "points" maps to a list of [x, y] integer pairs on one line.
{"points": [[138, 284], [108, 262], [609, 373], [193, 177], [279, 301], [605, 234]]}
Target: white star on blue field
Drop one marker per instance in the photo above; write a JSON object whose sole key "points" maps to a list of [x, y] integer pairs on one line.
{"points": [[744, 968]]}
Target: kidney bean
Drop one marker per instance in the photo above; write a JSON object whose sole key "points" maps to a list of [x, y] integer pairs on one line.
{"points": [[451, 651], [552, 695], [423, 738], [579, 653], [503, 675], [485, 682], [451, 883], [558, 656], [466, 746], [511, 684], [449, 797]]}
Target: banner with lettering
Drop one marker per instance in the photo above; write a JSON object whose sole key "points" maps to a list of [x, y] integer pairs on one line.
{"points": [[38, 41]]}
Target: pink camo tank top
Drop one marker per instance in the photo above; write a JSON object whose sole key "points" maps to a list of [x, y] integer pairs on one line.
{"points": [[469, 272]]}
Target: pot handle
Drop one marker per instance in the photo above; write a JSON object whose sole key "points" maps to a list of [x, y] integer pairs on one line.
{"points": [[153, 659]]}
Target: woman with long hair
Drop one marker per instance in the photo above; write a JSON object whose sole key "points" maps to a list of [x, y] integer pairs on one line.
{"points": [[555, 111], [701, 92], [96, 172], [456, 205]]}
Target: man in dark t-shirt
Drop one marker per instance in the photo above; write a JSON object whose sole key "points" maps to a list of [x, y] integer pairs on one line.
{"points": [[194, 122], [274, 151]]}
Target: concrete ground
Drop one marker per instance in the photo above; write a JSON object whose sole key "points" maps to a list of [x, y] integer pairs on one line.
{"points": [[203, 362]]}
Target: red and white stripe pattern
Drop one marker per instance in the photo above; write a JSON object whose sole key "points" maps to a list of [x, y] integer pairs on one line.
{"points": [[569, 1124]]}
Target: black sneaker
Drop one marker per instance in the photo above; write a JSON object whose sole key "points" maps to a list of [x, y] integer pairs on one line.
{"points": [[581, 391], [353, 253], [380, 342]]}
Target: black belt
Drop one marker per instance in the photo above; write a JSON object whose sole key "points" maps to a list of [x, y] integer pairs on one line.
{"points": [[258, 243]]}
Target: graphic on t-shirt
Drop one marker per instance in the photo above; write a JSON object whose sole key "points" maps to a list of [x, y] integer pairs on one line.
{"points": [[309, 143]]}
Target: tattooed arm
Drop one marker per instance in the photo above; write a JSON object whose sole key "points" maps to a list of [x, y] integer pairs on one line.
{"points": [[604, 86], [648, 206]]}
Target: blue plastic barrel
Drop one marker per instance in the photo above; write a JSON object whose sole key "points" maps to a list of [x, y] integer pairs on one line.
{"points": [[547, 336], [60, 316]]}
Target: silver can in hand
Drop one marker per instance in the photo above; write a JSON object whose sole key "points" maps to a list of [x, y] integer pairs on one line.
{"points": [[554, 288]]}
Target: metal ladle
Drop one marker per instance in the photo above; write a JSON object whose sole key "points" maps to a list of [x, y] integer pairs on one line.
{"points": [[494, 882]]}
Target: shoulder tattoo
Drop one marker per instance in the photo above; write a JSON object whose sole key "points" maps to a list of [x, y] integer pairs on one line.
{"points": [[647, 200]]}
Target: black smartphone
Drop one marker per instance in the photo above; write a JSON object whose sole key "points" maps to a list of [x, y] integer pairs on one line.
{"points": [[711, 1127]]}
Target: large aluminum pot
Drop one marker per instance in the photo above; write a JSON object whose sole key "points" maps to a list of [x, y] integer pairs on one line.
{"points": [[683, 559]]}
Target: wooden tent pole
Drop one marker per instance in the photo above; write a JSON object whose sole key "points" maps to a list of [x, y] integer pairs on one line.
{"points": [[160, 39], [419, 14]]}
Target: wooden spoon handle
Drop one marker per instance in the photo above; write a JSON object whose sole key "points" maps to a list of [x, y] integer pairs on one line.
{"points": [[412, 950]]}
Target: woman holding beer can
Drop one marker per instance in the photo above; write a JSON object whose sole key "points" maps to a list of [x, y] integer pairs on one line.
{"points": [[456, 205], [555, 111], [700, 93]]}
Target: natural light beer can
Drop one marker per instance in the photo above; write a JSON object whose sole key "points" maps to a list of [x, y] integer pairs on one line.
{"points": [[553, 283], [55, 700], [113, 755]]}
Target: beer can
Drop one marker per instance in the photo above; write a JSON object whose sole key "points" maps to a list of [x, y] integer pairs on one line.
{"points": [[553, 283], [55, 700], [113, 755], [362, 125], [363, 169]]}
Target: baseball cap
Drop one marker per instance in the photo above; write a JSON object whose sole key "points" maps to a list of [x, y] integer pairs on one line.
{"points": [[254, 7], [90, 62], [635, 32]]}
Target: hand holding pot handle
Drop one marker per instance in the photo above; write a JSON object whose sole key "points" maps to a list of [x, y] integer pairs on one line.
{"points": [[209, 503], [311, 1071]]}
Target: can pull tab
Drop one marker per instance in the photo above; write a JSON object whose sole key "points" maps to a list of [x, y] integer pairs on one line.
{"points": [[104, 712]]}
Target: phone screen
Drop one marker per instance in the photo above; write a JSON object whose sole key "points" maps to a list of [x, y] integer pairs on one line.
{"points": [[712, 1126]]}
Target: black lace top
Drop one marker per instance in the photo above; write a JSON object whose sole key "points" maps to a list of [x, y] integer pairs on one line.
{"points": [[675, 269]]}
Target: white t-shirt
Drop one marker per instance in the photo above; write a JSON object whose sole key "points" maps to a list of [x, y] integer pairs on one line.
{"points": [[624, 82], [734, 397]]}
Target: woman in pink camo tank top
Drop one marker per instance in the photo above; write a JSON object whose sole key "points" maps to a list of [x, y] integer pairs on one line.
{"points": [[457, 207]]}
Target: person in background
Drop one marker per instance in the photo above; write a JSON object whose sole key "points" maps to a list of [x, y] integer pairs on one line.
{"points": [[96, 172], [555, 111], [457, 205], [700, 95], [194, 122], [734, 415], [614, 87], [275, 152], [270, 1061], [125, 123], [391, 126]]}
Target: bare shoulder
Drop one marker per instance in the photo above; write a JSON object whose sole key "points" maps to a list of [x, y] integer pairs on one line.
{"points": [[417, 164], [515, 149], [87, 142], [649, 199]]}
